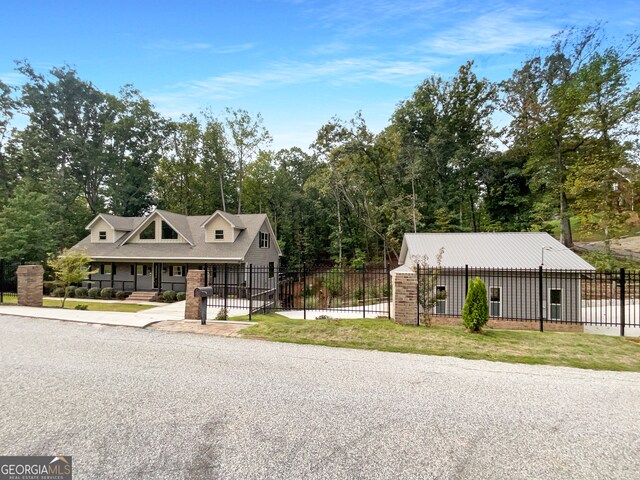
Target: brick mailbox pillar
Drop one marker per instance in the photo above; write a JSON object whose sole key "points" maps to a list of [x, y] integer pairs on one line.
{"points": [[195, 279], [30, 284], [404, 305]]}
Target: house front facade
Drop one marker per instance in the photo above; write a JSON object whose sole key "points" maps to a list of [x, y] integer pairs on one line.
{"points": [[528, 275], [155, 252]]}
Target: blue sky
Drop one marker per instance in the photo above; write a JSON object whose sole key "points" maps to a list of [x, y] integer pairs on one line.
{"points": [[296, 62]]}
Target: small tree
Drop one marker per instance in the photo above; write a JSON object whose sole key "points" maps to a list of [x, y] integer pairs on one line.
{"points": [[475, 313], [427, 292], [70, 267], [334, 282]]}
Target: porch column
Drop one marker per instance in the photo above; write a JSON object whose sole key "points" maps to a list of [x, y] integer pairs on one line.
{"points": [[160, 267], [113, 271], [135, 277]]}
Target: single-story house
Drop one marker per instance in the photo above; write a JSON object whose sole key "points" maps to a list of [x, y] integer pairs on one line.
{"points": [[155, 252], [527, 274]]}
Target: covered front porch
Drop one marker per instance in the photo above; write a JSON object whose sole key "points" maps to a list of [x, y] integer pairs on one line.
{"points": [[145, 276]]}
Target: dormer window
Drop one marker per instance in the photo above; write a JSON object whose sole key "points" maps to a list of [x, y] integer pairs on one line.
{"points": [[168, 233], [149, 233], [265, 240], [102, 235], [219, 234]]}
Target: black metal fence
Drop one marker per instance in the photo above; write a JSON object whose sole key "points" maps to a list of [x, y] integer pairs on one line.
{"points": [[8, 280], [314, 291], [607, 298]]}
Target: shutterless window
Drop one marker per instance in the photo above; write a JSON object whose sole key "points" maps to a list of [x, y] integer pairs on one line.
{"points": [[105, 269], [102, 235], [168, 233], [265, 240], [555, 304], [149, 233], [219, 234], [272, 269], [495, 301], [441, 300]]}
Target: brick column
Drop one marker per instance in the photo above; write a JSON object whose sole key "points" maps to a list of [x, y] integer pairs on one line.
{"points": [[404, 304], [195, 279], [30, 283]]}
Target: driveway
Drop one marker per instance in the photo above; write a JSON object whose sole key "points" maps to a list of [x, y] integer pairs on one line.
{"points": [[131, 403]]}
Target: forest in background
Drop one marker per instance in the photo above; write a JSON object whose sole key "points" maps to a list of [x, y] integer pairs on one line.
{"points": [[569, 150]]}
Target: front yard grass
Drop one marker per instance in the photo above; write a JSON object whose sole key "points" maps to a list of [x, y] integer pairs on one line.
{"points": [[94, 306], [577, 350]]}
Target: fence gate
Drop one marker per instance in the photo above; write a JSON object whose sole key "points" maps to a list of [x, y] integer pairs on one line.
{"points": [[8, 281], [331, 292]]}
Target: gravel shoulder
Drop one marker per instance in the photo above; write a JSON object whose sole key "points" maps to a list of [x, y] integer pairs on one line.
{"points": [[133, 403]]}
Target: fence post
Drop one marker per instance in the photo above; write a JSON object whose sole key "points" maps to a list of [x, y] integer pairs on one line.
{"points": [[364, 293], [250, 290], [623, 282], [466, 281], [304, 290], [388, 291], [226, 288], [2, 280], [540, 299], [418, 296]]}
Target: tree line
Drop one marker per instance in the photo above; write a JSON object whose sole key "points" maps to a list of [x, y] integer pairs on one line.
{"points": [[444, 163]]}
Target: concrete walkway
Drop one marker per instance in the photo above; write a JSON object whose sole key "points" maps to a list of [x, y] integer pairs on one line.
{"points": [[141, 319]]}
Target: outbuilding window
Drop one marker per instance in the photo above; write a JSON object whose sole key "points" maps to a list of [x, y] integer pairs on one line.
{"points": [[495, 301], [441, 300], [265, 240], [555, 304], [272, 269]]}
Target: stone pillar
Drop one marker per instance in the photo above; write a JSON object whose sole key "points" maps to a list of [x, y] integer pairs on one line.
{"points": [[195, 279], [30, 283], [404, 304]]}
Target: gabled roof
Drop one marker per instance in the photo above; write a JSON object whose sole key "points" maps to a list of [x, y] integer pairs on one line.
{"points": [[199, 250], [124, 224], [176, 221], [234, 220], [492, 250]]}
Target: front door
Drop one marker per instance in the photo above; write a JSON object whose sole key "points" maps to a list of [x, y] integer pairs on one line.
{"points": [[144, 278]]}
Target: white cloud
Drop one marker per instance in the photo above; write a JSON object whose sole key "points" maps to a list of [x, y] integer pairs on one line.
{"points": [[500, 31], [181, 46]]}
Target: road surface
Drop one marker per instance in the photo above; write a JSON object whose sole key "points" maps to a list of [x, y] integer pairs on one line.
{"points": [[131, 403]]}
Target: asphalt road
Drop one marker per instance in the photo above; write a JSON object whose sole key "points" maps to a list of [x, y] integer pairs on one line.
{"points": [[129, 403]]}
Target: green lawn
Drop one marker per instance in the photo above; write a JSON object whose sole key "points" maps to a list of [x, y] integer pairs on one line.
{"points": [[564, 349], [95, 306]]}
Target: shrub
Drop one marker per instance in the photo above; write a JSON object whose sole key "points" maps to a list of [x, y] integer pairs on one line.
{"points": [[475, 313], [169, 296], [94, 292], [106, 293], [58, 292], [81, 306], [223, 314], [386, 290], [373, 292], [334, 280], [71, 291], [180, 296], [82, 292], [120, 295]]}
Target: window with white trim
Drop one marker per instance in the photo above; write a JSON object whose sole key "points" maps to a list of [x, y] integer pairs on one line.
{"points": [[495, 301], [149, 232], [168, 233], [219, 235], [441, 300], [555, 304], [265, 240]]}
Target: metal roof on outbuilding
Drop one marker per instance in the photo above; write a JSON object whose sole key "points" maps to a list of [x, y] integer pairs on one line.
{"points": [[492, 250]]}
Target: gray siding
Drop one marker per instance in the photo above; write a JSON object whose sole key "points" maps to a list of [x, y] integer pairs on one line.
{"points": [[260, 258], [520, 297]]}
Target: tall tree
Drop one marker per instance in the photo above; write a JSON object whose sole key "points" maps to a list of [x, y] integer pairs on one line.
{"points": [[247, 135]]}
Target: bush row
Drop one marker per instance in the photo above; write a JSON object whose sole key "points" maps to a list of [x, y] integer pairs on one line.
{"points": [[109, 293]]}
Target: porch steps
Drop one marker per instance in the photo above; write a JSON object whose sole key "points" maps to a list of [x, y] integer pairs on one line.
{"points": [[142, 297]]}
